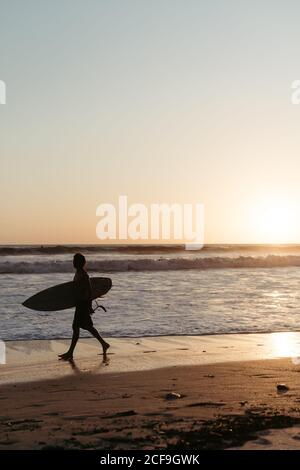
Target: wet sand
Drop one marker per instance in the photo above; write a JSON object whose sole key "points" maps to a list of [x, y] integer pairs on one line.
{"points": [[37, 360], [130, 402]]}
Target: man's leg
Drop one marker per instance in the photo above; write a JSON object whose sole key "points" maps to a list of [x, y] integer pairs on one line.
{"points": [[96, 335], [69, 353]]}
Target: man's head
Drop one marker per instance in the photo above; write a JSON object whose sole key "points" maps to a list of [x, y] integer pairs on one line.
{"points": [[79, 261]]}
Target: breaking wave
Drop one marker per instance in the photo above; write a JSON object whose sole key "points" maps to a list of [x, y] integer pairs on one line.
{"points": [[146, 264]]}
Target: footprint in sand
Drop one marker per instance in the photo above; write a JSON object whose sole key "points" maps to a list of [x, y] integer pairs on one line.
{"points": [[121, 414], [8, 442]]}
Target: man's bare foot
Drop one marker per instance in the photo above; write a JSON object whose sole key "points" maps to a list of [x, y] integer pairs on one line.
{"points": [[66, 356], [105, 347]]}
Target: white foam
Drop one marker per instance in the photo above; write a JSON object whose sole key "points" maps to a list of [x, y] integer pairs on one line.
{"points": [[150, 264]]}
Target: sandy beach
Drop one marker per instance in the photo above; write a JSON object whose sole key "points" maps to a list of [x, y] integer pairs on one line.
{"points": [[153, 393]]}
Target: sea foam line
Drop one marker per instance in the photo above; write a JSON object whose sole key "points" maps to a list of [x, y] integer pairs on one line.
{"points": [[145, 264]]}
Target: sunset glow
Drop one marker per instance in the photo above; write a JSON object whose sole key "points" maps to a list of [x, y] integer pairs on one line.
{"points": [[275, 223]]}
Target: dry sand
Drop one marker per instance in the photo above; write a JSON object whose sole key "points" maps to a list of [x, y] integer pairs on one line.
{"points": [[94, 405]]}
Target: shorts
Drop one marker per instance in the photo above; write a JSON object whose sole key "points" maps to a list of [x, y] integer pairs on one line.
{"points": [[82, 316]]}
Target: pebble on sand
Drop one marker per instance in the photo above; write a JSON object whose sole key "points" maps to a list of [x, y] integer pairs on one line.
{"points": [[282, 388], [172, 396]]}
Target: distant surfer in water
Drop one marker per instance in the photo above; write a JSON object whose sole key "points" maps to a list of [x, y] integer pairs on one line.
{"points": [[83, 311]]}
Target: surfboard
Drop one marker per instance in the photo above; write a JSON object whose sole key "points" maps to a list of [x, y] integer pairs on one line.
{"points": [[62, 296]]}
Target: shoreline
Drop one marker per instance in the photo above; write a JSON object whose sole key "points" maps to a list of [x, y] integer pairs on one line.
{"points": [[240, 333], [38, 359]]}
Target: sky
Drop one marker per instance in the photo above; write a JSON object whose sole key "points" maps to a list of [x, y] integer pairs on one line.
{"points": [[163, 101]]}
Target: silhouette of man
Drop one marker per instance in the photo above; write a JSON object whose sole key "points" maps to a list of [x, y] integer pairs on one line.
{"points": [[83, 310]]}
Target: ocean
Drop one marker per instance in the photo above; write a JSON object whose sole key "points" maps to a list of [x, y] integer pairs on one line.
{"points": [[157, 291]]}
